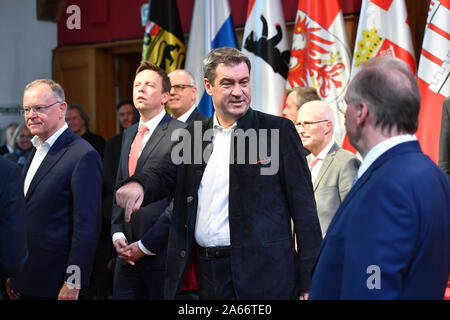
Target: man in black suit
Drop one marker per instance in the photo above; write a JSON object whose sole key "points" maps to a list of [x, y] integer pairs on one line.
{"points": [[13, 250], [444, 142], [182, 97], [142, 243], [236, 190], [62, 187]]}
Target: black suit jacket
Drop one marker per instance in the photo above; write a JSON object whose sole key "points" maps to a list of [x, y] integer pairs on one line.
{"points": [[260, 211], [444, 142], [150, 224], [196, 116], [62, 217], [13, 250], [111, 158]]}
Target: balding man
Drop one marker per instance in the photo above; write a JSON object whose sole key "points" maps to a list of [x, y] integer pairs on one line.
{"points": [[332, 168], [182, 97]]}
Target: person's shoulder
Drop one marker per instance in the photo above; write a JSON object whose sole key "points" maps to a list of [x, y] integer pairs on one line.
{"points": [[7, 165], [270, 120], [176, 124]]}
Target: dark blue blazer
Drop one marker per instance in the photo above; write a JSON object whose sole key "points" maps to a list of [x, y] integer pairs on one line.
{"points": [[390, 238], [13, 250], [62, 217]]}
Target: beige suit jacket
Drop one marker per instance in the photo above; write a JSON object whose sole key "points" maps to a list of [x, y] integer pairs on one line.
{"points": [[333, 182]]}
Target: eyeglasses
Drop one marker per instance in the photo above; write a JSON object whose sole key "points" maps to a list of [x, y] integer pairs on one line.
{"points": [[180, 87], [38, 108], [308, 124]]}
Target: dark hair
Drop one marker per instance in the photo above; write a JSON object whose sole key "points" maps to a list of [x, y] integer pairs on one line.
{"points": [[226, 55], [123, 102], [82, 113], [146, 65], [390, 91], [304, 95]]}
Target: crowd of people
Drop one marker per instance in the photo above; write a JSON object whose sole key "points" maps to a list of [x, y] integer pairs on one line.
{"points": [[121, 219]]}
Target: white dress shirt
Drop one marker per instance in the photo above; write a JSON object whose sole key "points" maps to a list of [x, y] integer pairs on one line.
{"points": [[212, 227], [42, 148], [151, 125], [381, 148], [187, 114], [321, 156]]}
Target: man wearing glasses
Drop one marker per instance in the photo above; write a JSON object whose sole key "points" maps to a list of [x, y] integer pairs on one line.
{"points": [[332, 168], [62, 188], [182, 97]]}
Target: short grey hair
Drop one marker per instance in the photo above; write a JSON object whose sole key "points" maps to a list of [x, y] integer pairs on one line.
{"points": [[56, 88]]}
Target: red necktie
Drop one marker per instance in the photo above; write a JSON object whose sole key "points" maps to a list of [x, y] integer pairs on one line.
{"points": [[313, 163], [136, 149]]}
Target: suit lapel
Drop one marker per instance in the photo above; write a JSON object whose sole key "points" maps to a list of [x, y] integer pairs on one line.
{"points": [[53, 155], [326, 164], [153, 141]]}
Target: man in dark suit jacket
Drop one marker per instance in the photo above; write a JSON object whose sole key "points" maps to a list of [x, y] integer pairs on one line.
{"points": [[182, 97], [142, 243], [62, 190], [13, 250], [390, 238], [234, 210], [444, 141]]}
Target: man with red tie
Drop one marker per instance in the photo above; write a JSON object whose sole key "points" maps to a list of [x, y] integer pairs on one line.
{"points": [[142, 243]]}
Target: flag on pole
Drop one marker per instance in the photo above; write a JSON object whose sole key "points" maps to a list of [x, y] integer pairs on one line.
{"points": [[211, 27], [266, 44], [320, 56], [433, 76], [383, 30], [163, 38]]}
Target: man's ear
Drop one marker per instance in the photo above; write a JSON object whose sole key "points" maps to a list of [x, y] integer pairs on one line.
{"points": [[362, 113], [63, 109], [208, 86], [165, 97]]}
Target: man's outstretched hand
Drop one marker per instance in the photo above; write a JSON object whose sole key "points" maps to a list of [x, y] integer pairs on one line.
{"points": [[130, 197]]}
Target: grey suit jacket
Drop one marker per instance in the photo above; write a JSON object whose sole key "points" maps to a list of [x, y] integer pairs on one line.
{"points": [[444, 142], [333, 182]]}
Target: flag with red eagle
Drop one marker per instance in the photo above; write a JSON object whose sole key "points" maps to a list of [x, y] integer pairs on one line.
{"points": [[320, 56], [434, 76]]}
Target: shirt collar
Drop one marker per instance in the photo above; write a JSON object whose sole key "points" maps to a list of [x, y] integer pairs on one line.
{"points": [[187, 114], [216, 124], [153, 122], [322, 154], [381, 148], [37, 142]]}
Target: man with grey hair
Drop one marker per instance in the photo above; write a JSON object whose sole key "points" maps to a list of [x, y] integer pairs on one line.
{"points": [[332, 168], [390, 238], [62, 188], [231, 233], [182, 97]]}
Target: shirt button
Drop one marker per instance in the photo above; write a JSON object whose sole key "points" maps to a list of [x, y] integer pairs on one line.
{"points": [[189, 199], [182, 253]]}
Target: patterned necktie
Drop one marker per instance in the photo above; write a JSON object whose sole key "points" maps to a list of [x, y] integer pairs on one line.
{"points": [[136, 149], [313, 163]]}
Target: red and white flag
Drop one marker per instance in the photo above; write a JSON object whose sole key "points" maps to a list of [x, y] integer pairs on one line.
{"points": [[320, 56], [433, 76], [266, 44], [383, 30]]}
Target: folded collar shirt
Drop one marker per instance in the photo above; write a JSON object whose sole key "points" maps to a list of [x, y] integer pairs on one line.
{"points": [[212, 226], [42, 148]]}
